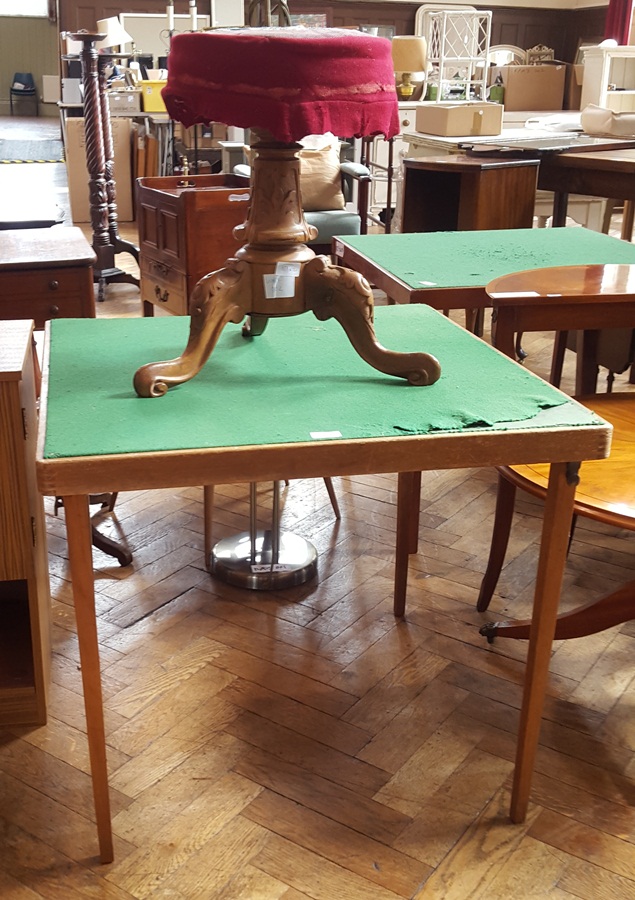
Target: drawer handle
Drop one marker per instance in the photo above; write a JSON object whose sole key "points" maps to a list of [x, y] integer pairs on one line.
{"points": [[53, 285], [55, 310], [161, 269], [162, 297], [406, 122]]}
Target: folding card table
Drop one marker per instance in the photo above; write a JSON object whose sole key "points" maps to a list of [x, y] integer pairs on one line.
{"points": [[449, 269], [298, 402]]}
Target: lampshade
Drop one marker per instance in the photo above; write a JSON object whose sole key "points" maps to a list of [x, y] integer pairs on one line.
{"points": [[116, 34], [409, 53], [289, 81]]}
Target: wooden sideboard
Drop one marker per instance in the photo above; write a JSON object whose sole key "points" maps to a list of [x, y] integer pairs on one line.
{"points": [[24, 585], [186, 231]]}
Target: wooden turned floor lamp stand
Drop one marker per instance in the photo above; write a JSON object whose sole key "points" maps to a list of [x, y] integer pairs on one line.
{"points": [[100, 161], [275, 274]]}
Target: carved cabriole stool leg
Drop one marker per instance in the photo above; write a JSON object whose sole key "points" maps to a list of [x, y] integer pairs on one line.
{"points": [[217, 299], [276, 274], [339, 293]]}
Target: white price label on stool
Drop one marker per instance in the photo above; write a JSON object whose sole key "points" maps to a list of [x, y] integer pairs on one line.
{"points": [[277, 286], [288, 268]]}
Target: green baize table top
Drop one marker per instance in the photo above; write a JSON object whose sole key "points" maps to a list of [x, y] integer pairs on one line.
{"points": [[446, 259], [300, 381]]}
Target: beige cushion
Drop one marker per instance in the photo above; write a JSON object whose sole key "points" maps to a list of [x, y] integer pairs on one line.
{"points": [[320, 180], [598, 120]]}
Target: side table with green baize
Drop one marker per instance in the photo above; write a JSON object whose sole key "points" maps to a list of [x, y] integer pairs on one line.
{"points": [[298, 402]]}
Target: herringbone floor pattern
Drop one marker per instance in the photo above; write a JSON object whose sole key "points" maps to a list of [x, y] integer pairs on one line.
{"points": [[305, 744]]}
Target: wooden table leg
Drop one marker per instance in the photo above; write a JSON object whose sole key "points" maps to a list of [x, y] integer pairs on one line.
{"points": [[503, 332], [408, 503], [208, 522], [560, 204], [78, 529], [553, 552]]}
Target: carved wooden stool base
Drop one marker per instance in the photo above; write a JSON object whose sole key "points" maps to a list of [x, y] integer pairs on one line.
{"points": [[276, 274]]}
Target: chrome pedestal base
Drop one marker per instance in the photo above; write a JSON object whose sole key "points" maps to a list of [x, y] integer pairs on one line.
{"points": [[232, 561], [264, 560]]}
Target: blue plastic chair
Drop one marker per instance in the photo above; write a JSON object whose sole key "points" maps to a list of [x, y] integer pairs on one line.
{"points": [[23, 85]]}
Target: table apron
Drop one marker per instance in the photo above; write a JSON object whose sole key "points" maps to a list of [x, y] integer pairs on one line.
{"points": [[560, 179], [461, 449], [584, 316]]}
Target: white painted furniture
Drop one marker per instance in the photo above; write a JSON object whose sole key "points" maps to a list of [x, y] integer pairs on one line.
{"points": [[609, 78]]}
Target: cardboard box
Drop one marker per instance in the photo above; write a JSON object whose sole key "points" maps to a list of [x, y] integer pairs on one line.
{"points": [[458, 119], [51, 89], [531, 87], [573, 86], [77, 170], [124, 103], [151, 93]]}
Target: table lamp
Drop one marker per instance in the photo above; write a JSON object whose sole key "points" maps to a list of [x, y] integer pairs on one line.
{"points": [[409, 54], [116, 34], [283, 84]]}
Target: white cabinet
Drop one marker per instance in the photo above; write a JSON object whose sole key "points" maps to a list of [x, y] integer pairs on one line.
{"points": [[609, 78]]}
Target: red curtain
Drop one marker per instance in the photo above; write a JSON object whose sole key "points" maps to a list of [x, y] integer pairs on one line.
{"points": [[618, 20]]}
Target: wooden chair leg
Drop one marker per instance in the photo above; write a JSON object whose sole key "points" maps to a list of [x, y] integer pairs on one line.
{"points": [[500, 538], [328, 484], [591, 618], [112, 548]]}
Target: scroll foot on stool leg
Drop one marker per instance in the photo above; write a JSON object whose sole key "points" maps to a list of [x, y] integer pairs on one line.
{"points": [[217, 299], [339, 293]]}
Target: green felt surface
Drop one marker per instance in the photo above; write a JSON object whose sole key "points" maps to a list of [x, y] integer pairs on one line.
{"points": [[473, 258], [300, 376]]}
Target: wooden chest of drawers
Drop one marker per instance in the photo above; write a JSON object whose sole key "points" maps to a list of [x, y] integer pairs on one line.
{"points": [[185, 231], [46, 273]]}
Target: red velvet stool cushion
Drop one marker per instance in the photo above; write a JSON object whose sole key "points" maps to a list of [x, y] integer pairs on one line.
{"points": [[290, 81]]}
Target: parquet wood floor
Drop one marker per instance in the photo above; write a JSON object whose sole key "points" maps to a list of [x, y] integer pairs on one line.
{"points": [[305, 744]]}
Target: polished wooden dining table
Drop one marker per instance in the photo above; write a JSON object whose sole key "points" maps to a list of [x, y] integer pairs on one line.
{"points": [[605, 173]]}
